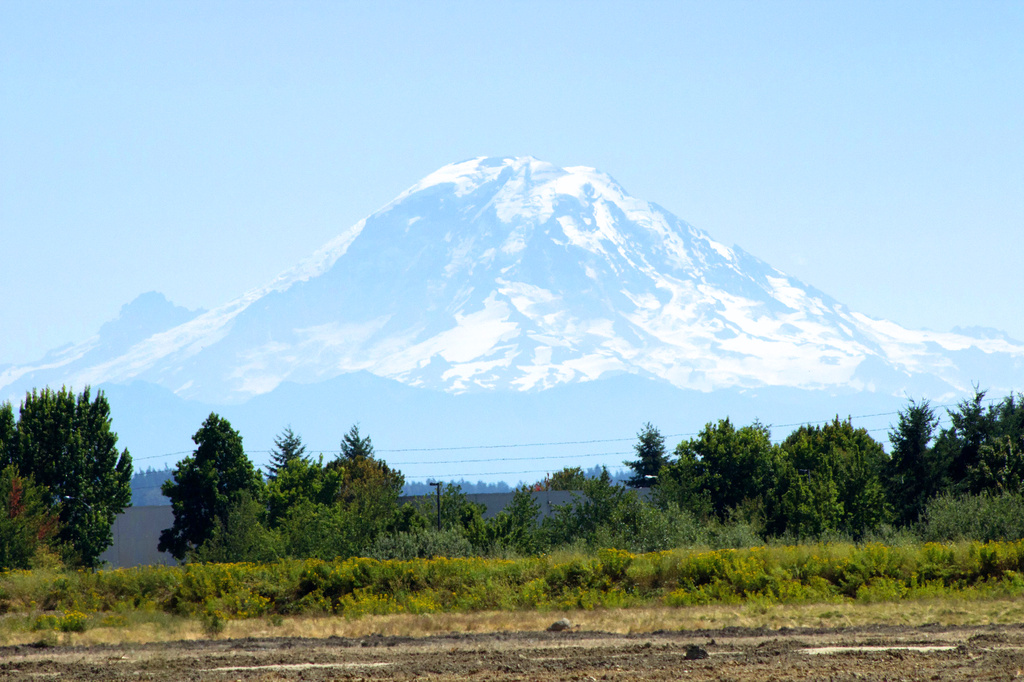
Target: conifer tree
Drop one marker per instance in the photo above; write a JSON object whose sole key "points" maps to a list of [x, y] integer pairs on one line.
{"points": [[913, 475], [354, 446], [650, 457], [287, 447]]}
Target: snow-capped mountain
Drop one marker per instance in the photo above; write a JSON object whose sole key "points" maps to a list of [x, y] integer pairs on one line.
{"points": [[516, 275]]}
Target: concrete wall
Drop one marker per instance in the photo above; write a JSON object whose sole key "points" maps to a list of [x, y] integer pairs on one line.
{"points": [[136, 534], [137, 530]]}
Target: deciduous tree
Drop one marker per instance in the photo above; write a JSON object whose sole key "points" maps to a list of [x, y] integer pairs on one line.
{"points": [[837, 457], [66, 444], [730, 466]]}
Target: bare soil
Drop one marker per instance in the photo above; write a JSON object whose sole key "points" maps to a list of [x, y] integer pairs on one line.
{"points": [[989, 652]]}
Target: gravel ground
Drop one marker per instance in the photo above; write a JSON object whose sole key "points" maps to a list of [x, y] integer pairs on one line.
{"points": [[875, 653]]}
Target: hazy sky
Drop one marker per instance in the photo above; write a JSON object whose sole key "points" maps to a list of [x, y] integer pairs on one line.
{"points": [[873, 150]]}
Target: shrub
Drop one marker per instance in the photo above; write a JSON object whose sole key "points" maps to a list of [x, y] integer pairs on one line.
{"points": [[981, 517], [733, 534], [73, 621], [421, 544], [240, 536]]}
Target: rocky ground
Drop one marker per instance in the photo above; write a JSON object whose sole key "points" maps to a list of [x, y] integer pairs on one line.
{"points": [[874, 653]]}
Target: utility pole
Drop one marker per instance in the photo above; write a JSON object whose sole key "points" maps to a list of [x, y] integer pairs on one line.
{"points": [[438, 486]]}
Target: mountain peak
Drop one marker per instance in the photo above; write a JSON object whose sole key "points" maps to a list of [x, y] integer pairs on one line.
{"points": [[520, 174], [516, 274]]}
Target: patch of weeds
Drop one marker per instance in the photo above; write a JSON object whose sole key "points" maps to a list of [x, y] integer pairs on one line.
{"points": [[46, 640], [276, 619], [114, 620], [73, 621], [758, 604], [44, 621], [213, 622]]}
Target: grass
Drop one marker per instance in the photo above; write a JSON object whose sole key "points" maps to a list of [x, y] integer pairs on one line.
{"points": [[824, 585], [943, 611]]}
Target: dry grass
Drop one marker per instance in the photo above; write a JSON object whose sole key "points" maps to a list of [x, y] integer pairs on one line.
{"points": [[944, 611]]}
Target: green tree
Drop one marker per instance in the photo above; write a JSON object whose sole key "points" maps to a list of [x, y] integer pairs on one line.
{"points": [[301, 479], [1010, 417], [287, 447], [730, 466], [66, 444], [569, 478], [681, 484], [958, 447], [310, 530], [516, 526], [8, 434], [205, 485], [807, 500], [914, 473], [28, 525], [1000, 465], [650, 457], [837, 457], [241, 534], [363, 471], [369, 489], [591, 508], [354, 446]]}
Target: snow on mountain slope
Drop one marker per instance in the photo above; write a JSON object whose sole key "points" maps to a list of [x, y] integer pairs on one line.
{"points": [[514, 274]]}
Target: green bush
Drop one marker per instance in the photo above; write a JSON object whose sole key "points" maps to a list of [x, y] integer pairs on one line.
{"points": [[421, 544], [984, 517]]}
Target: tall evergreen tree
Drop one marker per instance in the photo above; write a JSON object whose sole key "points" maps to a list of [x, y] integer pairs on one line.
{"points": [[65, 444], [369, 488], [287, 447], [205, 485], [354, 446], [650, 457], [959, 446], [914, 473]]}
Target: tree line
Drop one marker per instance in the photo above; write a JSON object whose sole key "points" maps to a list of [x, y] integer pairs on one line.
{"points": [[836, 480], [62, 481], [727, 486]]}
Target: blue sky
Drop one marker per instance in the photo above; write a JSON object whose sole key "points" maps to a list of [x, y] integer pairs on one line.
{"points": [[873, 150]]}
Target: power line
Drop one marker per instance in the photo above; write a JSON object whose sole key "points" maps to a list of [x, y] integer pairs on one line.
{"points": [[497, 446], [521, 459], [487, 473]]}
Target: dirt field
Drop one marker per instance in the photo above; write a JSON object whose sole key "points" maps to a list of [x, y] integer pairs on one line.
{"points": [[874, 653]]}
